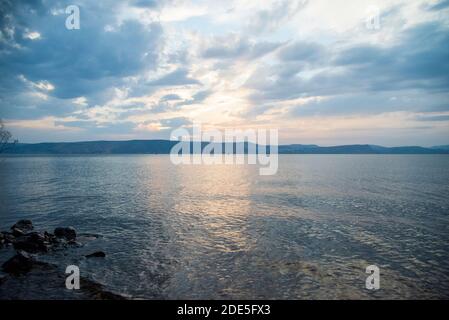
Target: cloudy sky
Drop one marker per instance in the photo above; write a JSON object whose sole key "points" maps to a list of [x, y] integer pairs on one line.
{"points": [[320, 71]]}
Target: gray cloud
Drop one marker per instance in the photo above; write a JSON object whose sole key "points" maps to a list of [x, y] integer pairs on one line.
{"points": [[170, 97], [175, 78], [233, 46], [432, 118], [176, 122], [26, 105], [96, 128], [145, 3], [280, 12], [303, 51], [419, 61], [443, 4], [169, 124], [178, 77], [82, 62], [198, 97], [371, 103]]}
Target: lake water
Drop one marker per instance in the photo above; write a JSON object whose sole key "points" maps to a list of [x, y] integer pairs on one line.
{"points": [[221, 231]]}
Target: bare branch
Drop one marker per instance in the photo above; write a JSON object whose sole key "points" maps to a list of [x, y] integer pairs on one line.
{"points": [[5, 138]]}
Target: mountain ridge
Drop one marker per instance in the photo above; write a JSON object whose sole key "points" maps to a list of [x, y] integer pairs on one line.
{"points": [[164, 147]]}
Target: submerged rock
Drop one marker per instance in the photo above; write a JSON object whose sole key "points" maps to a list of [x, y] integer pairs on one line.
{"points": [[87, 236], [22, 226], [96, 291], [33, 242], [97, 254], [68, 233], [21, 263]]}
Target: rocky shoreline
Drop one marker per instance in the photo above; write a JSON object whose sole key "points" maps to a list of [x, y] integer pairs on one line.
{"points": [[25, 276]]}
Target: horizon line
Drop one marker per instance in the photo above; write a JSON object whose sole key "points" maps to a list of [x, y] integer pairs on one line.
{"points": [[284, 144]]}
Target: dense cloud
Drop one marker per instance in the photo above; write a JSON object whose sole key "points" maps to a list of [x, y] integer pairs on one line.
{"points": [[420, 60], [78, 62]]}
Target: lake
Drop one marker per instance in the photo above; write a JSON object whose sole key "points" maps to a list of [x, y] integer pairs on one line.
{"points": [[225, 232]]}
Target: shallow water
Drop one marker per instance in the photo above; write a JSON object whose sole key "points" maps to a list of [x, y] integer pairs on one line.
{"points": [[220, 231]]}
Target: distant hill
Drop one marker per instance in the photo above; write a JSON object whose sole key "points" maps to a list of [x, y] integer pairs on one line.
{"points": [[164, 147], [95, 147], [441, 147], [359, 149]]}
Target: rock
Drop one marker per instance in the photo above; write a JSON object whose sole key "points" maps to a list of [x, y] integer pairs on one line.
{"points": [[96, 291], [50, 237], [8, 237], [21, 263], [68, 233], [33, 242], [23, 225], [17, 232], [97, 254]]}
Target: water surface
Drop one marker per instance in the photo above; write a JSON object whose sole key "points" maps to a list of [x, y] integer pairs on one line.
{"points": [[221, 231]]}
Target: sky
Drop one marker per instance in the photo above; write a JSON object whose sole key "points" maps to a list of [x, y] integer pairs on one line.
{"points": [[326, 72]]}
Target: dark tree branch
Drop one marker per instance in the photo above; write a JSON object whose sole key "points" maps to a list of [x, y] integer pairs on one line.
{"points": [[5, 138]]}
